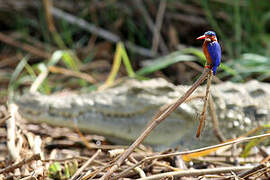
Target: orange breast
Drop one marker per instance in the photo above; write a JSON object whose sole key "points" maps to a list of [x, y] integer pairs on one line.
{"points": [[206, 53]]}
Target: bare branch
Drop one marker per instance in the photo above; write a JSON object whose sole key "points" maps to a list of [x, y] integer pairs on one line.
{"points": [[99, 31], [157, 120]]}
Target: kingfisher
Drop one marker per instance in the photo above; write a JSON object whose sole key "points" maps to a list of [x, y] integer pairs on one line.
{"points": [[211, 50]]}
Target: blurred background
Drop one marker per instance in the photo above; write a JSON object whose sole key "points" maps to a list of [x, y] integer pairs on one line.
{"points": [[68, 44]]}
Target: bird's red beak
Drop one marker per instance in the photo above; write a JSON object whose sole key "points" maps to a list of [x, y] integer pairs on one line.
{"points": [[202, 37]]}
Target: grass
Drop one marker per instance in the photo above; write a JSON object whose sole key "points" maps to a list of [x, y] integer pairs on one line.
{"points": [[244, 31], [241, 25], [245, 28]]}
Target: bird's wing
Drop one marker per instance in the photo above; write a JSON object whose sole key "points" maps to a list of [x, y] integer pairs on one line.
{"points": [[215, 53]]}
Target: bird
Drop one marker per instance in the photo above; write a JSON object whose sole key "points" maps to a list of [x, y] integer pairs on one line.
{"points": [[211, 50]]}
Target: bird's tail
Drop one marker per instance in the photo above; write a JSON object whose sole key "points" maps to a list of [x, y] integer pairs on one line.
{"points": [[214, 69]]}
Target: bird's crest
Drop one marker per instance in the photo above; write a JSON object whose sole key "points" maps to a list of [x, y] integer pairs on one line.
{"points": [[210, 33]]}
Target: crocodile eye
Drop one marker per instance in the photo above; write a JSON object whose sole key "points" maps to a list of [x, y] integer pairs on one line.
{"points": [[257, 93], [135, 90]]}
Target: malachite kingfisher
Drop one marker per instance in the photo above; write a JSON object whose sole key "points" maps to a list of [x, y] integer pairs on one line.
{"points": [[211, 50]]}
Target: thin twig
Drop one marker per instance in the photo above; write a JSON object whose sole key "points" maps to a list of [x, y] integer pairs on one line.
{"points": [[198, 172], [68, 72], [9, 61], [157, 27], [3, 120], [90, 175], [239, 140], [19, 164], [26, 47], [11, 133], [212, 110], [154, 123], [93, 145], [38, 81], [163, 108], [89, 161], [214, 119], [203, 114], [47, 4], [252, 171], [81, 158], [199, 68], [99, 31], [139, 4], [137, 169]]}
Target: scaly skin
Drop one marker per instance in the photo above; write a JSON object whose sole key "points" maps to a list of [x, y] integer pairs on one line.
{"points": [[122, 112]]}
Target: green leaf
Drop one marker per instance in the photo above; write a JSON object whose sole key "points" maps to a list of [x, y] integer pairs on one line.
{"points": [[66, 171], [115, 67], [15, 75], [54, 171], [18, 70], [250, 145], [163, 62], [41, 80], [55, 58], [54, 167], [70, 60], [70, 168], [126, 61], [255, 142], [202, 58], [195, 52]]}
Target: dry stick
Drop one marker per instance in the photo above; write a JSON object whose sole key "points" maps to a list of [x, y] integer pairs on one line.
{"points": [[47, 4], [212, 110], [99, 31], [137, 169], [157, 27], [9, 61], [139, 4], [261, 168], [90, 175], [31, 49], [215, 122], [3, 120], [19, 164], [203, 114], [94, 146], [251, 171], [213, 115], [166, 106], [79, 158], [190, 152], [258, 173], [12, 134], [41, 77], [199, 68], [153, 124], [198, 172], [89, 161], [69, 72]]}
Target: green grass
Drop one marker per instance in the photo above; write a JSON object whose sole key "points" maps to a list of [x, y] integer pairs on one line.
{"points": [[245, 28], [244, 31], [242, 27]]}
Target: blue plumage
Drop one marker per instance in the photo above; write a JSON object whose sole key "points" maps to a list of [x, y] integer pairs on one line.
{"points": [[215, 53], [211, 50]]}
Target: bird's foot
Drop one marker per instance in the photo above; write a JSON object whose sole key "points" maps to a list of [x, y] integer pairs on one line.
{"points": [[208, 66]]}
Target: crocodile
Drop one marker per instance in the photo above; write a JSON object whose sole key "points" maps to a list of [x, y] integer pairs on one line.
{"points": [[122, 112]]}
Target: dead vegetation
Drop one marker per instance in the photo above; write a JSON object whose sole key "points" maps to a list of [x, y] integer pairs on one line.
{"points": [[39, 151]]}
